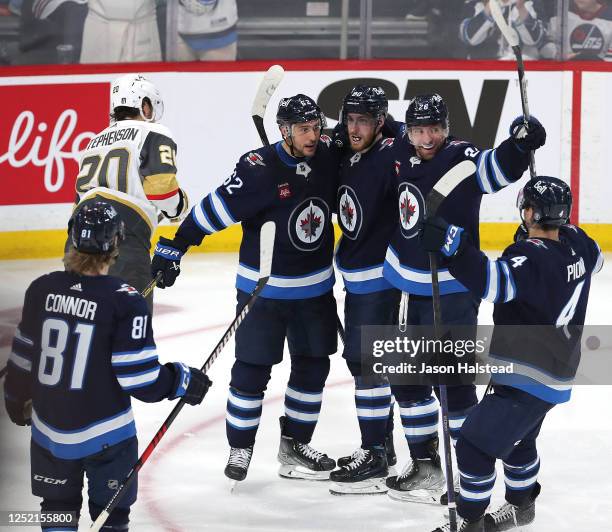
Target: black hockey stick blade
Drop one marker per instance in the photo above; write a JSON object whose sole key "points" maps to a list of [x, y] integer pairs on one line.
{"points": [[266, 89], [266, 251], [446, 184]]}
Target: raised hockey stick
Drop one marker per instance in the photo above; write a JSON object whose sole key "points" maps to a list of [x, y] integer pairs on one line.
{"points": [[267, 87], [512, 37], [144, 293], [446, 184], [266, 248]]}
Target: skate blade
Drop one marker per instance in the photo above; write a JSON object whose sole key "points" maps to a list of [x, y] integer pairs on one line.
{"points": [[416, 496], [232, 485], [302, 473], [372, 486]]}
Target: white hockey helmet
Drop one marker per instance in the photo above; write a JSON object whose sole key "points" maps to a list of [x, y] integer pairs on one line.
{"points": [[130, 90]]}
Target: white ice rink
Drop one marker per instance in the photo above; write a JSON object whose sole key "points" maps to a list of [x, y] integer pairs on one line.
{"points": [[182, 486]]}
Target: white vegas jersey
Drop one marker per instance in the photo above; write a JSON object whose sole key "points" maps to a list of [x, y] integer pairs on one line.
{"points": [[133, 163]]}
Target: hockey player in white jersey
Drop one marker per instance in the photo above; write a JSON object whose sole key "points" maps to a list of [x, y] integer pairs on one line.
{"points": [[132, 165]]}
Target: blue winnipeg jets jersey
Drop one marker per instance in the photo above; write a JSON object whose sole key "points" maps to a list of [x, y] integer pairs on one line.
{"points": [[367, 215], [541, 283], [406, 263], [83, 346], [298, 195]]}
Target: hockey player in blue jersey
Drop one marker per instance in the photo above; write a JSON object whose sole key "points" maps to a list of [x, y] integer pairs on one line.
{"points": [[424, 154], [367, 216], [542, 281], [83, 347], [292, 183]]}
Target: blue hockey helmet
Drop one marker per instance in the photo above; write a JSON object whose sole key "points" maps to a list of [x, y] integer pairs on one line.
{"points": [[549, 197], [96, 228], [427, 110], [365, 100], [298, 109]]}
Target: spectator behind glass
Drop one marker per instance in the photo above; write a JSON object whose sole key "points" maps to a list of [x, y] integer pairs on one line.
{"points": [[51, 30], [589, 32], [443, 17], [483, 37], [119, 31], [206, 30]]}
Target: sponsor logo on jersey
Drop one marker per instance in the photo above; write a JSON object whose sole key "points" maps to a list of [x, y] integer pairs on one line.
{"points": [[307, 224], [77, 287], [129, 290], [411, 209], [255, 159], [45, 128], [350, 213], [303, 169], [284, 191]]}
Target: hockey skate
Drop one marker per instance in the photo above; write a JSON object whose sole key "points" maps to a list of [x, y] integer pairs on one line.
{"points": [[389, 448], [238, 464], [421, 481], [464, 526], [300, 461], [364, 475], [511, 517]]}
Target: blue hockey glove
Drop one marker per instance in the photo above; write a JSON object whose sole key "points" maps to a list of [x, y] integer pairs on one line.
{"points": [[190, 384], [19, 411], [527, 138], [167, 260], [438, 235]]}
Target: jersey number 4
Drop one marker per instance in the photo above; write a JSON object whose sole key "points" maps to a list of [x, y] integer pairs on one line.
{"points": [[569, 310], [55, 336]]}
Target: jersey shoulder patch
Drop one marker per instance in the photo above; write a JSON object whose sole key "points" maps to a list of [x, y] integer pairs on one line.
{"points": [[254, 159], [386, 143], [325, 139]]}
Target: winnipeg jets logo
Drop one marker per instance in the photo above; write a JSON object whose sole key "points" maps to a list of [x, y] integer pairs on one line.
{"points": [[411, 207], [414, 160], [303, 169], [130, 290], [307, 224], [255, 159], [349, 212], [355, 158]]}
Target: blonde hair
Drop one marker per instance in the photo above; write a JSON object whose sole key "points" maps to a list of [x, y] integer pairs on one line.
{"points": [[81, 263]]}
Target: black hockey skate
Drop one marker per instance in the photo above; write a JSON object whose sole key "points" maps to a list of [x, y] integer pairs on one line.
{"points": [[238, 463], [464, 526], [300, 460], [364, 475], [511, 517], [422, 480], [389, 448]]}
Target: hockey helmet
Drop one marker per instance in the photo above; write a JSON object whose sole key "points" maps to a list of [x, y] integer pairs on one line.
{"points": [[549, 197], [94, 227], [131, 89], [427, 110], [365, 100], [298, 109]]}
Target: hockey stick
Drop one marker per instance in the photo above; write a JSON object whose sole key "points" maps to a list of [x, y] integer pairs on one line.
{"points": [[446, 184], [512, 37], [267, 87], [266, 247], [147, 290]]}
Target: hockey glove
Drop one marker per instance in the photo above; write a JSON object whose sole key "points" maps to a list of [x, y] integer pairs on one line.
{"points": [[340, 136], [20, 412], [438, 235], [530, 137], [521, 233], [190, 384], [167, 260]]}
